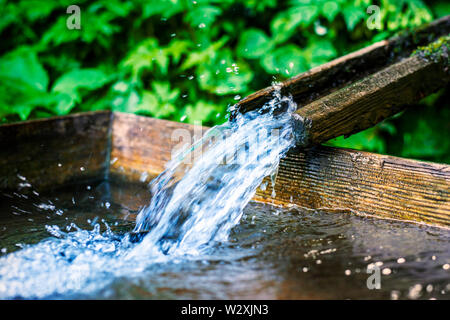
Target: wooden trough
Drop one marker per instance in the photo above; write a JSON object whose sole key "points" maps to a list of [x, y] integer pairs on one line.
{"points": [[344, 96], [134, 149]]}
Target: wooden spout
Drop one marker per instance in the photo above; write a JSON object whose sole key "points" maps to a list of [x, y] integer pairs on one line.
{"points": [[366, 102], [356, 91]]}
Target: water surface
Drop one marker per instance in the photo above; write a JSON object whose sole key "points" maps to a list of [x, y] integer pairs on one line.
{"points": [[272, 253]]}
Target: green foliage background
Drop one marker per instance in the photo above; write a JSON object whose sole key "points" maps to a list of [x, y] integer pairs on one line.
{"points": [[188, 60]]}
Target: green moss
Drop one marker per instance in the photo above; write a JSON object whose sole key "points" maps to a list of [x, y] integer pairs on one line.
{"points": [[437, 51]]}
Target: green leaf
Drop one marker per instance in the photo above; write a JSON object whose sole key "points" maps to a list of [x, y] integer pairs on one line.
{"points": [[224, 75], [163, 91], [200, 57], [177, 48], [200, 112], [329, 10], [70, 84], [319, 51], [89, 79], [126, 102], [96, 27], [146, 55], [287, 60], [19, 97], [285, 23], [165, 8], [253, 43], [353, 15], [148, 104], [202, 16], [65, 103], [23, 65], [36, 9], [23, 83]]}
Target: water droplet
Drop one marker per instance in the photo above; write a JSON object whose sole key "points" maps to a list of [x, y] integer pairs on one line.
{"points": [[415, 291], [82, 168], [143, 177], [395, 294]]}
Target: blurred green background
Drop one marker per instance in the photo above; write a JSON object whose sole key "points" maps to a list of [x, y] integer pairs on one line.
{"points": [[188, 60]]}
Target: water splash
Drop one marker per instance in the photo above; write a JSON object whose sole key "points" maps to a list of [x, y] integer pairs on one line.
{"points": [[195, 203]]}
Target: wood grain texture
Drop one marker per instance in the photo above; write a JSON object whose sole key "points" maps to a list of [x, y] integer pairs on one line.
{"points": [[364, 183], [317, 178], [366, 102], [141, 146], [55, 151], [329, 77]]}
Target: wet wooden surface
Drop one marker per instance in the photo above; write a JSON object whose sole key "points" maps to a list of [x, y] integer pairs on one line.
{"points": [[134, 149], [141, 146], [363, 183], [366, 102], [317, 178], [55, 151]]}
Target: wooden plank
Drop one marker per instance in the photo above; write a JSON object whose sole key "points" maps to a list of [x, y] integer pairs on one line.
{"points": [[327, 78], [55, 151], [141, 146], [315, 178], [366, 102], [363, 183]]}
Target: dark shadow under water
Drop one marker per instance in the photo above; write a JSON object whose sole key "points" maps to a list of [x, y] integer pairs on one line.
{"points": [[272, 253]]}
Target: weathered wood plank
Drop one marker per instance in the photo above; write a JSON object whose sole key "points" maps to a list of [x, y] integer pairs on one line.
{"points": [[366, 102], [55, 151], [363, 183], [314, 178], [141, 146], [327, 78]]}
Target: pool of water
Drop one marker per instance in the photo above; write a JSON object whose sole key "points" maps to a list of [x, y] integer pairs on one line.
{"points": [[272, 253]]}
